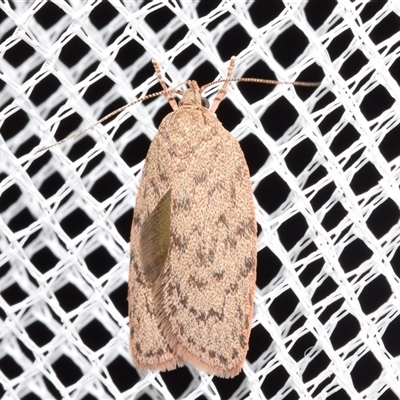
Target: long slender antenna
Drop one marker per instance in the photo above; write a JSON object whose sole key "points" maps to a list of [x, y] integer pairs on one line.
{"points": [[105, 118], [168, 94]]}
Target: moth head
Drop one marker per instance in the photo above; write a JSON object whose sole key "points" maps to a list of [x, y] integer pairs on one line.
{"points": [[192, 96]]}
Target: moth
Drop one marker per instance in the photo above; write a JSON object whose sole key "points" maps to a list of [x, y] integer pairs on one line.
{"points": [[193, 239], [193, 244]]}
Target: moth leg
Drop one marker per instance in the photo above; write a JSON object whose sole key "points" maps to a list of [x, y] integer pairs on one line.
{"points": [[167, 93], [222, 92]]}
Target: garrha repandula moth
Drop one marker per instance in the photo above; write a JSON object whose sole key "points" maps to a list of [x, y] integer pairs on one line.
{"points": [[193, 244], [193, 240]]}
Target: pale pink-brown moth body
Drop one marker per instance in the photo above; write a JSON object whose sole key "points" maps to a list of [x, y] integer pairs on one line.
{"points": [[193, 246]]}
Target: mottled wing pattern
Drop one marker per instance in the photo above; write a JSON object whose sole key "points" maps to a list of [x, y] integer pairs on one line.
{"points": [[149, 348], [204, 296], [197, 306], [165, 160]]}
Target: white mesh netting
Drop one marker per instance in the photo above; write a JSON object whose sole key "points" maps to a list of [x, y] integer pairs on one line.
{"points": [[325, 169]]}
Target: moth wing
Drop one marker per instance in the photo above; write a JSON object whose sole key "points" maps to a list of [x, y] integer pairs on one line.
{"points": [[204, 295], [149, 348], [150, 237]]}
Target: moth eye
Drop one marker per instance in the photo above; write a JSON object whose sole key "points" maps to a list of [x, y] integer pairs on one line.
{"points": [[205, 103]]}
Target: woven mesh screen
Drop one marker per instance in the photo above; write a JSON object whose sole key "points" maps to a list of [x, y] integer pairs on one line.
{"points": [[325, 169]]}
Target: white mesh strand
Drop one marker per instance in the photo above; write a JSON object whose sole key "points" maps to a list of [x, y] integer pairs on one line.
{"points": [[325, 168]]}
